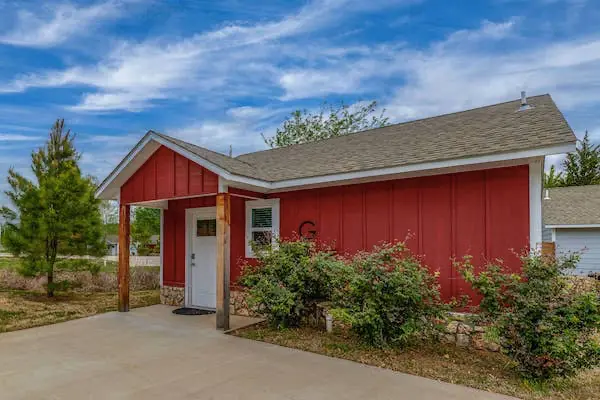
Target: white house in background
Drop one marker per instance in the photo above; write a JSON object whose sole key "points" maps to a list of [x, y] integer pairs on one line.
{"points": [[571, 218], [112, 245]]}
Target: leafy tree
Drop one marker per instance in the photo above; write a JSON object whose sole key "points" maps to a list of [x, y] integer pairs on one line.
{"points": [[109, 212], [331, 121], [553, 178], [54, 214], [146, 223], [583, 166]]}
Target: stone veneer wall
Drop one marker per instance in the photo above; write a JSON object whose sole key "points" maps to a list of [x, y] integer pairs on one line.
{"points": [[459, 330], [463, 333], [238, 304], [175, 296], [172, 295]]}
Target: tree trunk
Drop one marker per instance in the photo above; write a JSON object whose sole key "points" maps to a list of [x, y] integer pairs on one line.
{"points": [[51, 259], [50, 287]]}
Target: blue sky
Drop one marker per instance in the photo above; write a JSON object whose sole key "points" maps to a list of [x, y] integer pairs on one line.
{"points": [[220, 73]]}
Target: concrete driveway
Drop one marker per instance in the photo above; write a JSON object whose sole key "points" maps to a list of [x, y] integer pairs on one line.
{"points": [[150, 353]]}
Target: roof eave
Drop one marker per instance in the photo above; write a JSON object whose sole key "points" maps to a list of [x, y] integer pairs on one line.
{"points": [[571, 226], [108, 191]]}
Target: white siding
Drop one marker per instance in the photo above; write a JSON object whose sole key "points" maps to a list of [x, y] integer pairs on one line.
{"points": [[584, 241], [547, 234]]}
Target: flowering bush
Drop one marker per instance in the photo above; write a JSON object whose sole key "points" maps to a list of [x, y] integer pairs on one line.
{"points": [[544, 325], [389, 297], [287, 278], [386, 296]]}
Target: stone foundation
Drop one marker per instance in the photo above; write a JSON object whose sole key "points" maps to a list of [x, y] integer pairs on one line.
{"points": [[463, 333], [172, 295], [459, 330], [238, 304]]}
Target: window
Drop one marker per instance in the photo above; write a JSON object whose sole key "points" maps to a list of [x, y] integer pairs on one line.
{"points": [[262, 223], [206, 227]]}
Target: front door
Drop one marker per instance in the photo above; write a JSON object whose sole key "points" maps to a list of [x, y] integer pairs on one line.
{"points": [[203, 260]]}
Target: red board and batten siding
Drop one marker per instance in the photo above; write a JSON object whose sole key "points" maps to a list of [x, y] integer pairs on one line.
{"points": [[165, 175], [174, 237], [483, 213]]}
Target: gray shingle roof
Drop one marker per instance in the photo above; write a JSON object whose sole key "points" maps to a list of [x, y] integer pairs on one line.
{"points": [[573, 205], [230, 164], [482, 131]]}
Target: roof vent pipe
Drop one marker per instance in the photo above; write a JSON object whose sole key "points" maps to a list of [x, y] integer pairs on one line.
{"points": [[524, 104], [547, 195]]}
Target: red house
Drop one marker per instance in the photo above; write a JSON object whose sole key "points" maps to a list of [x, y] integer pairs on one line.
{"points": [[463, 183]]}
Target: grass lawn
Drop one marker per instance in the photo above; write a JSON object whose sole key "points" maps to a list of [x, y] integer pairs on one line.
{"points": [[20, 309], [108, 266], [8, 263], [478, 369]]}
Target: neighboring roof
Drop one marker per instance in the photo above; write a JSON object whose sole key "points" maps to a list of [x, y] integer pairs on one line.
{"points": [[482, 135], [573, 205]]}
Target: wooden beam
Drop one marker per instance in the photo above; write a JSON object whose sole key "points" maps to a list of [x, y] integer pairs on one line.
{"points": [[223, 247], [123, 273], [549, 249]]}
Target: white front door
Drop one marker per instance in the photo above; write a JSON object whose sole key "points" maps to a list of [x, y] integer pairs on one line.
{"points": [[202, 258]]}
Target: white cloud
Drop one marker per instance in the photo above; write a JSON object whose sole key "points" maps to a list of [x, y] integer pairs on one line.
{"points": [[8, 137], [469, 68], [453, 79], [53, 24], [135, 75]]}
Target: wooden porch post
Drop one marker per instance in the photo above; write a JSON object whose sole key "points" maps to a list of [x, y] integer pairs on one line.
{"points": [[123, 274], [223, 245]]}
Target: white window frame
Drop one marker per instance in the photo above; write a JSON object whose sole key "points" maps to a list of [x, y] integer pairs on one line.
{"points": [[273, 204]]}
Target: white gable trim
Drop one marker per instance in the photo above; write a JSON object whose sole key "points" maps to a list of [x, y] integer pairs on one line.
{"points": [[152, 137], [105, 190]]}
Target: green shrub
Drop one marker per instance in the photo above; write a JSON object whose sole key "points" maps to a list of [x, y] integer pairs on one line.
{"points": [[389, 297], [547, 328], [288, 278]]}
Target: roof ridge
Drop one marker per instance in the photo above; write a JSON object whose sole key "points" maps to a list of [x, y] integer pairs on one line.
{"points": [[397, 124], [173, 139]]}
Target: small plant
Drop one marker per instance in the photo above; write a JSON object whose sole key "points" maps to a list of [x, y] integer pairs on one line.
{"points": [[389, 298], [545, 326], [287, 278]]}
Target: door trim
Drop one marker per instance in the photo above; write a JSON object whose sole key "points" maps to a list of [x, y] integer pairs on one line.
{"points": [[190, 213]]}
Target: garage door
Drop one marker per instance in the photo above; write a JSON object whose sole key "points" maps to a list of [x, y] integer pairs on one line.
{"points": [[585, 241]]}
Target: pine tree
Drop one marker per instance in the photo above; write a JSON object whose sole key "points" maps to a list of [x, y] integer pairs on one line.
{"points": [[303, 126], [55, 214], [583, 166], [553, 178]]}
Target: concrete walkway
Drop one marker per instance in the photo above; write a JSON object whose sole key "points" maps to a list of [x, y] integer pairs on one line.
{"points": [[150, 353]]}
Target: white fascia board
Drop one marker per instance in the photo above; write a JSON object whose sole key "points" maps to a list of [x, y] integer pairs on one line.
{"points": [[575, 226], [434, 165], [150, 136], [122, 165], [265, 186], [210, 166]]}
